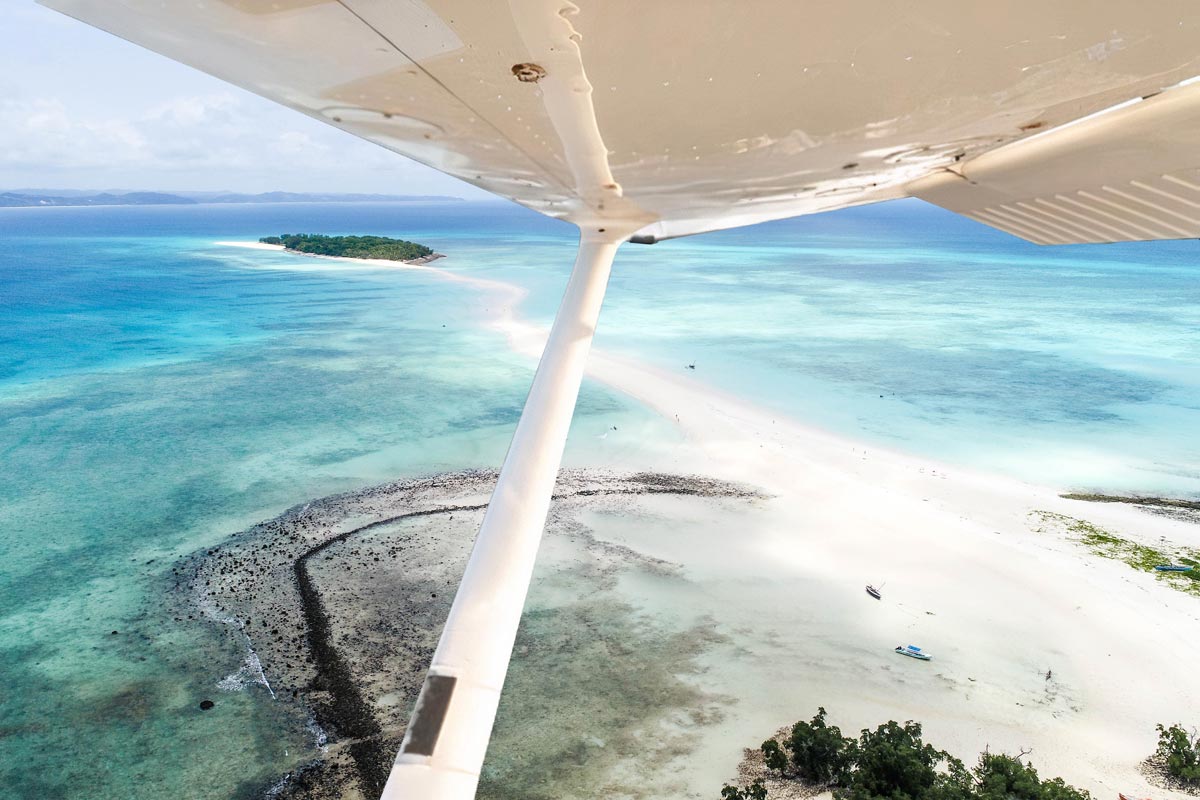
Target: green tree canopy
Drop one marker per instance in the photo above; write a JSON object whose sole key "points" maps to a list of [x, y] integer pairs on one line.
{"points": [[351, 246], [893, 762], [1179, 753], [820, 753], [755, 791], [774, 757]]}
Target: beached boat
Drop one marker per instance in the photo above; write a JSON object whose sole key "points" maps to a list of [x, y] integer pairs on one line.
{"points": [[871, 590], [913, 652], [1173, 568]]}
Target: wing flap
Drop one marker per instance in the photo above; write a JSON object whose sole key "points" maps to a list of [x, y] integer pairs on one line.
{"points": [[1129, 174]]}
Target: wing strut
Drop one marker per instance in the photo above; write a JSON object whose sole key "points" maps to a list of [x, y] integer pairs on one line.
{"points": [[448, 735]]}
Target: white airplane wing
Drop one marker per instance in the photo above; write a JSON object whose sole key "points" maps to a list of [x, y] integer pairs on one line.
{"points": [[715, 114], [1125, 174], [659, 118]]}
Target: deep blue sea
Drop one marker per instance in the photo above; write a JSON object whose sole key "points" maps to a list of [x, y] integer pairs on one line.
{"points": [[159, 392]]}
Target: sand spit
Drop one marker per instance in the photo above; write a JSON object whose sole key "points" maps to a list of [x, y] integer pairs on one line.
{"points": [[340, 601]]}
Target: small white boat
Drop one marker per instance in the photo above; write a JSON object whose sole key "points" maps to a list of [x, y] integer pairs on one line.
{"points": [[913, 651], [871, 590]]}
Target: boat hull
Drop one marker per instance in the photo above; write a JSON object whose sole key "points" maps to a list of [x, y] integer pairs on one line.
{"points": [[913, 652]]}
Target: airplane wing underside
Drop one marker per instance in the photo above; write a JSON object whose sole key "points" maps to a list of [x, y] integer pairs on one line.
{"points": [[687, 116], [1126, 175]]}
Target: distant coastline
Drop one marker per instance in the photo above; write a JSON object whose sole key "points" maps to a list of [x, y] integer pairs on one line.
{"points": [[45, 198]]}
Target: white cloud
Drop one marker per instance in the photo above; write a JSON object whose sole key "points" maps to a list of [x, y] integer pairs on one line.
{"points": [[82, 109], [185, 137], [296, 143], [185, 133], [42, 132]]}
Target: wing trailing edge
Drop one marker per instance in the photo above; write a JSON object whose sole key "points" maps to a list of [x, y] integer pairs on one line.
{"points": [[1131, 173]]}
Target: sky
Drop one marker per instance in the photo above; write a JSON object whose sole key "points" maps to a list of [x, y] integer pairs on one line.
{"points": [[81, 109]]}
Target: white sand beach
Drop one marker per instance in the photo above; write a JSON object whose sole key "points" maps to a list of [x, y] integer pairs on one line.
{"points": [[1037, 644], [253, 245], [969, 571]]}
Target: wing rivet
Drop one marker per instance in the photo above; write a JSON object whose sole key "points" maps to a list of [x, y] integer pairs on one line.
{"points": [[528, 73]]}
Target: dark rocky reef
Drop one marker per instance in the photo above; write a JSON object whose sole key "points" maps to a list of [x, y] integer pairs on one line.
{"points": [[340, 602], [1185, 510]]}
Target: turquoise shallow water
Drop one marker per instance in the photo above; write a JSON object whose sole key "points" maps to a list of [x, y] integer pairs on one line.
{"points": [[159, 392], [906, 326]]}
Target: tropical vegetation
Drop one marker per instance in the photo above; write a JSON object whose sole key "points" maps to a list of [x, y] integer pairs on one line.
{"points": [[893, 762], [351, 246], [1178, 755]]}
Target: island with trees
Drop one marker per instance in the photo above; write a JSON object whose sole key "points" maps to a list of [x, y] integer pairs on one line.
{"points": [[372, 247], [893, 762]]}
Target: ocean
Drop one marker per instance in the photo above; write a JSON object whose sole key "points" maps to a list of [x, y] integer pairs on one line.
{"points": [[159, 392]]}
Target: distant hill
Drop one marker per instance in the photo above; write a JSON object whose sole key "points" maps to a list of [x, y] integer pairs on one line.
{"points": [[310, 197], [15, 200], [26, 198]]}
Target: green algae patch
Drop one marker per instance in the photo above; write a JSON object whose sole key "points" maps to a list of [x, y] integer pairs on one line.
{"points": [[1140, 556]]}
